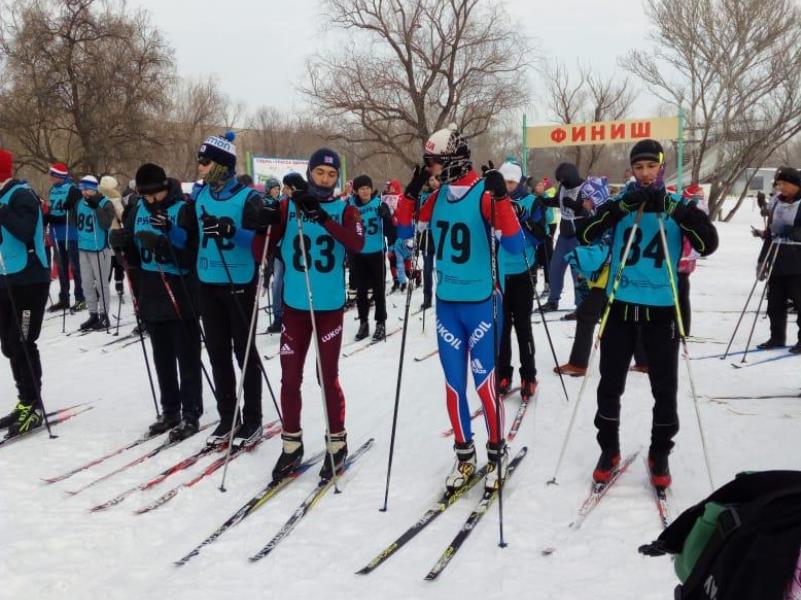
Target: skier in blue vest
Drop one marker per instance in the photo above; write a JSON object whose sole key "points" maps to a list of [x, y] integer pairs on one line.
{"points": [[368, 266], [460, 215], [24, 283], [159, 239], [64, 196], [232, 219], [644, 303]]}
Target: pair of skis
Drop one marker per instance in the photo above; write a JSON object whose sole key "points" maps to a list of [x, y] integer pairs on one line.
{"points": [[447, 500], [54, 418], [371, 343]]}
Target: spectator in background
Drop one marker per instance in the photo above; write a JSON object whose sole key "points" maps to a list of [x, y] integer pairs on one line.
{"points": [[109, 188]]}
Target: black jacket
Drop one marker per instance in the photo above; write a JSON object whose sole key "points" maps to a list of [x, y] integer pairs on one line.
{"points": [[788, 259], [19, 219]]}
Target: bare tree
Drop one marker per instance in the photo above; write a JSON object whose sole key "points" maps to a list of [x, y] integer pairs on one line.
{"points": [[578, 95], [419, 65], [82, 80], [734, 65]]}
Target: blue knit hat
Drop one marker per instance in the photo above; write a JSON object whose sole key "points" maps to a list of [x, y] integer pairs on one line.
{"points": [[325, 157], [220, 149], [88, 182]]}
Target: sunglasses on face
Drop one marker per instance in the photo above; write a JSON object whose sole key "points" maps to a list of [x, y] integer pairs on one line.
{"points": [[204, 161]]}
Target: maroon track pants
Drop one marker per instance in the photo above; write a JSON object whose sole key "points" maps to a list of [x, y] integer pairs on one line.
{"points": [[295, 341]]}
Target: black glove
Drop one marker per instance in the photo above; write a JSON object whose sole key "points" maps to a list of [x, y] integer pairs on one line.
{"points": [[655, 548], [296, 182], [310, 207], [420, 176], [488, 167], [159, 220], [383, 211], [4, 212], [494, 183], [535, 229], [120, 238], [151, 241], [93, 201], [216, 228]]}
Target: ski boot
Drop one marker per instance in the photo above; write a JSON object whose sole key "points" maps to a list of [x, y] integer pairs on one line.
{"points": [[364, 331], [163, 424], [659, 469], [247, 435], [550, 307], [11, 417], [395, 286], [380, 331], [528, 387], [403, 287], [222, 433], [503, 386], [59, 306], [494, 453], [91, 323], [606, 466], [572, 370], [185, 429], [275, 327], [771, 343], [464, 468], [336, 446], [291, 455], [29, 418], [78, 306]]}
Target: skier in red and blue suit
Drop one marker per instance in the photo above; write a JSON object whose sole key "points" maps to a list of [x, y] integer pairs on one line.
{"points": [[460, 216]]}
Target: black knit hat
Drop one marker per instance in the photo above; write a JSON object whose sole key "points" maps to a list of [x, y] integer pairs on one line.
{"points": [[220, 149], [788, 174], [150, 179], [325, 157], [362, 181], [647, 150]]}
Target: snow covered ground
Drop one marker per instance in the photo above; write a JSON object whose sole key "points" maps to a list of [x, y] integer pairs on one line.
{"points": [[52, 547]]}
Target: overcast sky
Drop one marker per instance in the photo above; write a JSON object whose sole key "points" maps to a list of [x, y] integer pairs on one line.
{"points": [[257, 48]]}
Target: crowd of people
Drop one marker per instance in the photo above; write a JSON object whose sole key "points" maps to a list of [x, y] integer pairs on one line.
{"points": [[193, 265]]}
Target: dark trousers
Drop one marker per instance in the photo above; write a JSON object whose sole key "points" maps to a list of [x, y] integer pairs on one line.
{"points": [[684, 301], [30, 301], [368, 273], [781, 289], [428, 277], [295, 342], [544, 253], [518, 301], [66, 257], [118, 273], [226, 317], [176, 353], [660, 340], [587, 316]]}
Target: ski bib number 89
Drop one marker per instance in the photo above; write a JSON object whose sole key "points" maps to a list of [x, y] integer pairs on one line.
{"points": [[86, 223]]}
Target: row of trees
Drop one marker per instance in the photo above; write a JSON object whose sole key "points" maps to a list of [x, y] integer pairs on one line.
{"points": [[94, 84]]}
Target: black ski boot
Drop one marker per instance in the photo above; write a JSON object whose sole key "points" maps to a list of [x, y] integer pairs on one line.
{"points": [[78, 306], [364, 331], [248, 434], [771, 343], [29, 418], [90, 323], [59, 306], [11, 417], [607, 463], [163, 424], [291, 455], [185, 429], [222, 433], [101, 324], [275, 327], [380, 331], [659, 468], [336, 446]]}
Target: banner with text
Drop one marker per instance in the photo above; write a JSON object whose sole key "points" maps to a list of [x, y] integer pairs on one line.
{"points": [[264, 168], [603, 132]]}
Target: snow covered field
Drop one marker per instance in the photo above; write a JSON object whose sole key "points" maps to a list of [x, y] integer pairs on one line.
{"points": [[54, 548]]}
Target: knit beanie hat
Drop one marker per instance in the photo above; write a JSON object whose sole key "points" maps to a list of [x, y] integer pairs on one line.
{"points": [[511, 172], [647, 150], [220, 149], [788, 174], [362, 181], [325, 157], [88, 182], [59, 170], [150, 179]]}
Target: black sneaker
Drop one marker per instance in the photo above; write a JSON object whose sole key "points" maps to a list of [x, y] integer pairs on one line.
{"points": [[90, 323], [771, 343], [163, 424], [100, 324], [291, 455], [336, 447], [11, 417], [550, 307], [186, 428], [380, 332], [275, 327], [28, 418], [364, 331], [248, 434], [59, 306], [572, 316], [222, 433]]}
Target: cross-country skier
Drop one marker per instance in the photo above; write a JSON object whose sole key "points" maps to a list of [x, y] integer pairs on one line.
{"points": [[331, 228], [644, 304], [24, 283], [229, 215], [368, 266], [518, 295], [63, 197], [160, 238], [460, 215], [94, 215]]}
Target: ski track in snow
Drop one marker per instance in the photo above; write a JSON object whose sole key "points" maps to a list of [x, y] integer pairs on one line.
{"points": [[53, 548]]}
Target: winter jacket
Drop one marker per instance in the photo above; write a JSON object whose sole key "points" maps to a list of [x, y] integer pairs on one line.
{"points": [[784, 221]]}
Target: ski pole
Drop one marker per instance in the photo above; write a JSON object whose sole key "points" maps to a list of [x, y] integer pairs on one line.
{"points": [[498, 400], [119, 311], [251, 343], [96, 224], [601, 328], [686, 352], [400, 375], [61, 264], [759, 274], [23, 335], [425, 258], [304, 251], [761, 300]]}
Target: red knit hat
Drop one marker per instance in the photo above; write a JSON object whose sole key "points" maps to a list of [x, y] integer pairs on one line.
{"points": [[59, 170], [6, 161]]}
